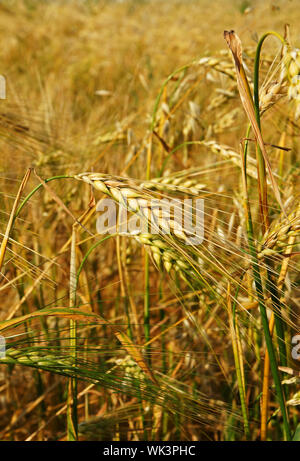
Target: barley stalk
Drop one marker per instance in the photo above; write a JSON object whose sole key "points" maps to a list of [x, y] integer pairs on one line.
{"points": [[291, 72]]}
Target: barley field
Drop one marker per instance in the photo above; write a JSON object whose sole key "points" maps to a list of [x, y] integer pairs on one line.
{"points": [[146, 334]]}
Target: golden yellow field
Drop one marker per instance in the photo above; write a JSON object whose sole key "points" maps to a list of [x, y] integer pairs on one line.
{"points": [[144, 336]]}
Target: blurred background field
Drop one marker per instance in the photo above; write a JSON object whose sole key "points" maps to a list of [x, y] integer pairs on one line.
{"points": [[57, 55]]}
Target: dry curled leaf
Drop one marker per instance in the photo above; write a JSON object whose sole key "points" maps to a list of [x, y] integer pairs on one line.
{"points": [[235, 45]]}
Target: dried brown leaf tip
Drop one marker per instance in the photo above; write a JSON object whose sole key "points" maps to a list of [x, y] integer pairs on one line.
{"points": [[235, 46]]}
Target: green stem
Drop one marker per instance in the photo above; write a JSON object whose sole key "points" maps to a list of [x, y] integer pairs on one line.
{"points": [[261, 303], [272, 287], [90, 251], [238, 369], [260, 158], [256, 69], [28, 197]]}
